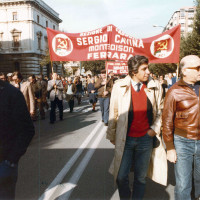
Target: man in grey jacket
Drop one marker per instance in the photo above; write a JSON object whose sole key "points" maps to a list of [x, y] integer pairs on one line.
{"points": [[55, 87]]}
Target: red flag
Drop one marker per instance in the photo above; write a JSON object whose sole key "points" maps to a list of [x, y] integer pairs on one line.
{"points": [[110, 43]]}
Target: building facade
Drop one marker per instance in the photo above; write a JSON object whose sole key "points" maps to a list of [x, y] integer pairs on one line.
{"points": [[184, 17], [23, 37]]}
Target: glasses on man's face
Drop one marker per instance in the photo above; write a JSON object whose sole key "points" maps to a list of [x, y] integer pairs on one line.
{"points": [[195, 68], [3, 78]]}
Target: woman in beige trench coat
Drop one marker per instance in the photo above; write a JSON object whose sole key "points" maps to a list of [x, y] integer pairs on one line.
{"points": [[118, 124]]}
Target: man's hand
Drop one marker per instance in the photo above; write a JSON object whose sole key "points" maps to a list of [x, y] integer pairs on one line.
{"points": [[112, 141], [105, 93], [32, 113], [151, 132], [92, 91], [172, 156]]}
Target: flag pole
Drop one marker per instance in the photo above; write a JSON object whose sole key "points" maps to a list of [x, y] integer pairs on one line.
{"points": [[177, 72], [106, 76], [52, 67]]}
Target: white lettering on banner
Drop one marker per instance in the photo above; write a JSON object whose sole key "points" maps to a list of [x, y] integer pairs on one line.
{"points": [[113, 47], [92, 40], [98, 31], [123, 71], [118, 67], [108, 54], [127, 41], [109, 28]]}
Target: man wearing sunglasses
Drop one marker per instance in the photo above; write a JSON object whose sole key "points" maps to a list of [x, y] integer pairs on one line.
{"points": [[181, 128]]}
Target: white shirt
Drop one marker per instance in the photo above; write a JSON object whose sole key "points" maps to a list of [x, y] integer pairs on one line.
{"points": [[69, 90], [134, 84]]}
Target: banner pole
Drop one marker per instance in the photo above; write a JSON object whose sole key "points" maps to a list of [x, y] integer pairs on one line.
{"points": [[106, 76], [52, 67], [177, 72]]}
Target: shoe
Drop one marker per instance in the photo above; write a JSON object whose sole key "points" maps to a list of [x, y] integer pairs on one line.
{"points": [[61, 119], [106, 124], [102, 120], [51, 122], [93, 110]]}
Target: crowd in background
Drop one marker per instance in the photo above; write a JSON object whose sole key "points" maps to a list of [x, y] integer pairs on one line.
{"points": [[35, 90]]}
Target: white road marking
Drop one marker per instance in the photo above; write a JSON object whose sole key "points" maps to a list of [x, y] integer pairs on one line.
{"points": [[53, 186], [67, 188]]}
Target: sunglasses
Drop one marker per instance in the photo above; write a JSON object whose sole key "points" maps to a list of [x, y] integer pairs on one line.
{"points": [[196, 68]]}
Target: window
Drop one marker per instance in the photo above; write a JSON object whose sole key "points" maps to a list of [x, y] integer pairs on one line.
{"points": [[39, 43], [14, 16], [39, 37], [182, 13], [38, 19], [46, 23], [190, 15], [16, 39], [46, 42], [182, 25], [54, 27]]}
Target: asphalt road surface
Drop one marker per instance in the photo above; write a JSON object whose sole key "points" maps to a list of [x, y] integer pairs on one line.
{"points": [[70, 160]]}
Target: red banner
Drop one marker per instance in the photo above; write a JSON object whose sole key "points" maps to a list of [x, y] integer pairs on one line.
{"points": [[117, 67], [110, 43]]}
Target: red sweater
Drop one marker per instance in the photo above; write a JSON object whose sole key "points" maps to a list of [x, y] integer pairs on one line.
{"points": [[140, 123]]}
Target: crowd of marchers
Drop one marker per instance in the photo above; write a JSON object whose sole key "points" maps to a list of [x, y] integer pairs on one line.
{"points": [[37, 91], [141, 112]]}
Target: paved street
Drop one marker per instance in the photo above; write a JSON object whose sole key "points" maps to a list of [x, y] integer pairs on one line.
{"points": [[70, 160]]}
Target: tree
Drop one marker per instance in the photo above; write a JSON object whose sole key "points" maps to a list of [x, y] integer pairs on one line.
{"points": [[191, 43], [94, 66], [47, 61], [162, 69]]}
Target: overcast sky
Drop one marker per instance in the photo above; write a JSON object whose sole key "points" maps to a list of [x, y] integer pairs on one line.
{"points": [[134, 17]]}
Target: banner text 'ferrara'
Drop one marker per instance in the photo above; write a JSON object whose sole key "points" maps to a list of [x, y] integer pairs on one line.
{"points": [[110, 43]]}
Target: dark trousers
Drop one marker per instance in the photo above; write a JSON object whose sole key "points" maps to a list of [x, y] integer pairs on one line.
{"points": [[104, 105], [59, 103], [8, 180], [71, 104], [39, 104], [137, 153]]}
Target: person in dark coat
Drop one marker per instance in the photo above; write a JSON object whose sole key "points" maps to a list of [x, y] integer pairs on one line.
{"points": [[92, 94], [78, 84], [16, 132]]}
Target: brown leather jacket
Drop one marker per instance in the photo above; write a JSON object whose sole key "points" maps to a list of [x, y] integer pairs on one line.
{"points": [[181, 114], [100, 88]]}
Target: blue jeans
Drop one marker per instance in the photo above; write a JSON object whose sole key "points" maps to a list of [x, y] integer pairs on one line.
{"points": [[8, 179], [188, 156], [104, 105], [137, 153]]}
